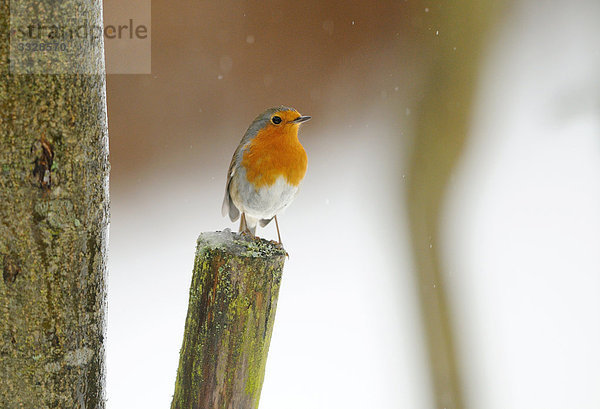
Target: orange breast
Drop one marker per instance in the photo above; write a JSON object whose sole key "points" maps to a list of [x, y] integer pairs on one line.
{"points": [[275, 152]]}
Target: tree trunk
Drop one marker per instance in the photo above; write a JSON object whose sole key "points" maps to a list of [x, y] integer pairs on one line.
{"points": [[233, 297], [53, 216]]}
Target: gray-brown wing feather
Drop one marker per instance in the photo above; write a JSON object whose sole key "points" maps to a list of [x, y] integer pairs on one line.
{"points": [[264, 222], [229, 208]]}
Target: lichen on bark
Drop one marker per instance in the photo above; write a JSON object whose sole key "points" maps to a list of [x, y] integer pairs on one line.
{"points": [[53, 234], [231, 312]]}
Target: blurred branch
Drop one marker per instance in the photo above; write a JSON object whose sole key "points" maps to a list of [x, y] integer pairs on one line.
{"points": [[231, 312], [452, 44]]}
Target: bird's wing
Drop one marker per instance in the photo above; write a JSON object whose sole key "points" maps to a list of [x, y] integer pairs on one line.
{"points": [[228, 206]]}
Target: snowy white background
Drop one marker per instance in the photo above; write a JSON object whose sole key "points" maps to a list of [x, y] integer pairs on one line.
{"points": [[523, 241]]}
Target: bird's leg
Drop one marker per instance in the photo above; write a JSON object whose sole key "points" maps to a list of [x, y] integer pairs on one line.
{"points": [[243, 226], [244, 229], [279, 237], [277, 225]]}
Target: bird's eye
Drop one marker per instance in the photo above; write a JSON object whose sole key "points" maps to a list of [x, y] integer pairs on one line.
{"points": [[276, 120]]}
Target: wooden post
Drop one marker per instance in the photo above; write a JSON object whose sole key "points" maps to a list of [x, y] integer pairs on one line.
{"points": [[231, 311]]}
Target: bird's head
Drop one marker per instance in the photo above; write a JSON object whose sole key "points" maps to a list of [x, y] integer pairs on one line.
{"points": [[277, 122]]}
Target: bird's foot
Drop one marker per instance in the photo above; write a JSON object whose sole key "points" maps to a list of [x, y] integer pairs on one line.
{"points": [[280, 244]]}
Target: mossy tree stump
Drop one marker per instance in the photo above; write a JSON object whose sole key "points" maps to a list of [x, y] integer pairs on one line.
{"points": [[233, 297]]}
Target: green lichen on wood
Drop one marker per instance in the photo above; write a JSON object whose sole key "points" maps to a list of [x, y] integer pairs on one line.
{"points": [[231, 312], [53, 231]]}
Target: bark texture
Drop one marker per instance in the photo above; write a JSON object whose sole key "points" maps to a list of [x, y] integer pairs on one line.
{"points": [[233, 297], [53, 230]]}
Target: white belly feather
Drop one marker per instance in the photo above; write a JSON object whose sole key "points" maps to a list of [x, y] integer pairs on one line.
{"points": [[265, 202]]}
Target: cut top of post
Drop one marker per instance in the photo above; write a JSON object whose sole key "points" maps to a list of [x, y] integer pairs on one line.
{"points": [[240, 245]]}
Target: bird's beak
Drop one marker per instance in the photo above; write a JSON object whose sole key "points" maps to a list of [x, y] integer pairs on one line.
{"points": [[301, 119]]}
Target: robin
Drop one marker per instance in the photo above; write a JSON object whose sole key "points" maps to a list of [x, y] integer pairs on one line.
{"points": [[266, 169]]}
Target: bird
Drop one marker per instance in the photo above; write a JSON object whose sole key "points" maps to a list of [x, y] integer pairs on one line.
{"points": [[266, 169]]}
